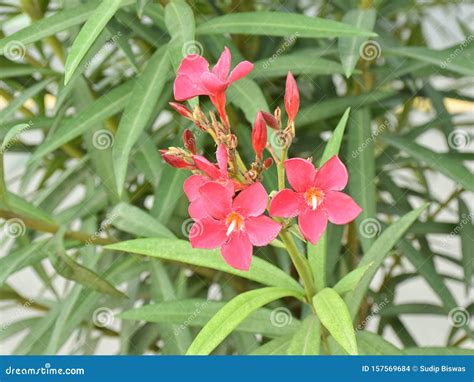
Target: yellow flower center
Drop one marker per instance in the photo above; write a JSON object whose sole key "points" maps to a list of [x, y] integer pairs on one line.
{"points": [[313, 197], [234, 222]]}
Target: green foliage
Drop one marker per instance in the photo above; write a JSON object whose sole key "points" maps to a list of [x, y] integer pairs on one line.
{"points": [[100, 223]]}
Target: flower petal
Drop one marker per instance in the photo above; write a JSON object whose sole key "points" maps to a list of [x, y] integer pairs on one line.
{"points": [[341, 208], [312, 224], [261, 230], [216, 199], [212, 83], [237, 251], [193, 66], [210, 169], [240, 71], [252, 201], [222, 158], [285, 204], [300, 173], [221, 69], [185, 88], [207, 233], [197, 210], [192, 185], [332, 175]]}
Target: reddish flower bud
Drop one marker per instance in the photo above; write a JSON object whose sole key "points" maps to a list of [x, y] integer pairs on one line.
{"points": [[189, 141], [175, 160], [270, 120], [181, 109], [292, 98], [259, 135], [267, 163]]}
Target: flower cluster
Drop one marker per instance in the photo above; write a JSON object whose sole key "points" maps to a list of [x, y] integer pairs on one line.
{"points": [[227, 200]]}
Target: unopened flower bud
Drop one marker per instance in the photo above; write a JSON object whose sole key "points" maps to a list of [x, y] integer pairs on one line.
{"points": [[267, 163], [181, 109], [174, 158], [259, 135], [270, 120], [292, 98]]}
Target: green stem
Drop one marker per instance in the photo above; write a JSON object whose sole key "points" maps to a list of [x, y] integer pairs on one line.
{"points": [[281, 169], [300, 262]]}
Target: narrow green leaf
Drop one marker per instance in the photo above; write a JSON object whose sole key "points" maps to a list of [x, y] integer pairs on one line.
{"points": [[307, 339], [278, 24], [373, 344], [179, 19], [198, 312], [181, 251], [444, 163], [12, 135], [448, 59], [467, 239], [232, 314], [377, 253], [133, 220], [104, 107], [139, 111], [333, 313], [350, 281], [53, 24], [334, 143], [88, 34], [349, 47], [361, 166]]}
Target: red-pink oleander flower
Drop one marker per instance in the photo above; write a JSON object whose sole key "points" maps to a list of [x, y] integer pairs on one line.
{"points": [[316, 196], [292, 98], [234, 225], [259, 135], [194, 78], [212, 172]]}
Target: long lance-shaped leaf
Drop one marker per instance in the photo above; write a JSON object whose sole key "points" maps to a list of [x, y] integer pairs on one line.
{"points": [[139, 111], [279, 24], [88, 34], [232, 314], [53, 24], [447, 165], [377, 254], [180, 251]]}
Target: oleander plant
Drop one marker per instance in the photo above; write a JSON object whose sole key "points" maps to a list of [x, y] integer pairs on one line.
{"points": [[235, 177]]}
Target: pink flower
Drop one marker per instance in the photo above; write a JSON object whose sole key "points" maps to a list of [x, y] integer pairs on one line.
{"points": [[234, 225], [316, 197], [292, 97], [212, 172], [194, 78], [259, 135]]}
